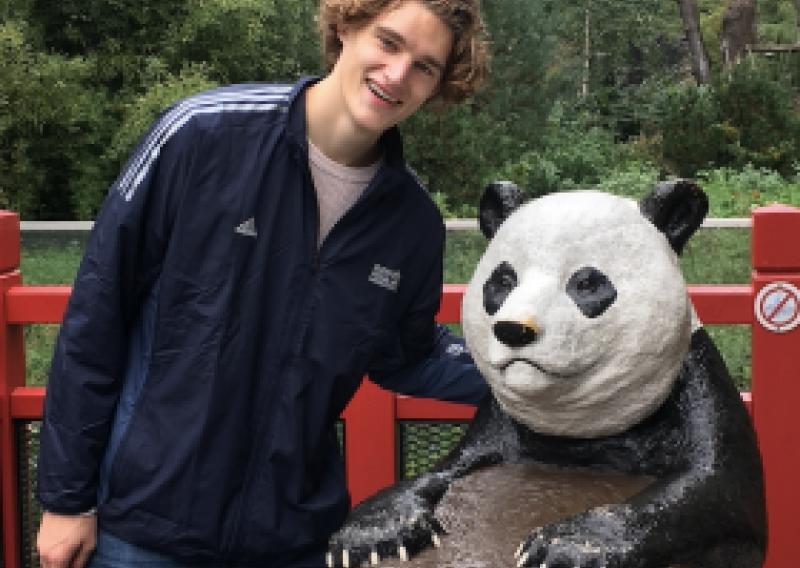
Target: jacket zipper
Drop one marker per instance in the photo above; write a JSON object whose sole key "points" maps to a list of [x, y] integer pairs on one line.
{"points": [[236, 534]]}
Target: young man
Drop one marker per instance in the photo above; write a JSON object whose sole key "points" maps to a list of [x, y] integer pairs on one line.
{"points": [[265, 246]]}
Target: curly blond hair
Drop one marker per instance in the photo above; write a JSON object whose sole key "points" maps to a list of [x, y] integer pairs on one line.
{"points": [[467, 64]]}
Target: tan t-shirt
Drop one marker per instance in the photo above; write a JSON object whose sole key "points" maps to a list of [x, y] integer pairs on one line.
{"points": [[337, 186]]}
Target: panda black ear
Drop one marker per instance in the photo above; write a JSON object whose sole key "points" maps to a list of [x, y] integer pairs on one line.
{"points": [[500, 199], [677, 208]]}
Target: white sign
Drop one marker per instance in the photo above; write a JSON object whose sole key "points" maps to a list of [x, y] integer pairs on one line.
{"points": [[777, 307]]}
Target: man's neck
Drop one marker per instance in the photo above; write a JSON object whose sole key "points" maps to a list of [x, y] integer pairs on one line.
{"points": [[331, 130]]}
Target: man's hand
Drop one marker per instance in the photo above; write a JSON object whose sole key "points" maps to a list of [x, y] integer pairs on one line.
{"points": [[66, 541]]}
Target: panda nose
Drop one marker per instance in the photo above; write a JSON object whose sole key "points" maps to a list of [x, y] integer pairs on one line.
{"points": [[515, 334]]}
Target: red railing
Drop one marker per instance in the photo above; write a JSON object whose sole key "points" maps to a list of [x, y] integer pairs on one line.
{"points": [[372, 417]]}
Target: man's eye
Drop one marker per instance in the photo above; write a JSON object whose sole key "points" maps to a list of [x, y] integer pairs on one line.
{"points": [[386, 42], [425, 69]]}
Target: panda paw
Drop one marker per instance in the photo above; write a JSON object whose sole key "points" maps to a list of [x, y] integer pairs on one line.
{"points": [[397, 532], [587, 541]]}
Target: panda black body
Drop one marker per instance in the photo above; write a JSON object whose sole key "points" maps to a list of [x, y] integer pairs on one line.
{"points": [[690, 431]]}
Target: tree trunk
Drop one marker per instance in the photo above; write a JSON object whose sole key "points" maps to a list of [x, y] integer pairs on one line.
{"points": [[587, 50], [797, 9], [691, 27], [738, 30]]}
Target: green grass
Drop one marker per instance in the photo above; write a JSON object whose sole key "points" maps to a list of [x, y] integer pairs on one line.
{"points": [[713, 256], [722, 256], [51, 257], [48, 258]]}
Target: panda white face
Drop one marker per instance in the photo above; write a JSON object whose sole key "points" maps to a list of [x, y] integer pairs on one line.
{"points": [[577, 315]]}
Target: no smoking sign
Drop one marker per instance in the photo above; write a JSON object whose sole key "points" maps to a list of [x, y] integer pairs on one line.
{"points": [[777, 307]]}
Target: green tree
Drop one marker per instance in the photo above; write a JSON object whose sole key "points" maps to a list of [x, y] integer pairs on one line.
{"points": [[80, 80], [52, 120], [247, 40], [457, 152], [77, 27]]}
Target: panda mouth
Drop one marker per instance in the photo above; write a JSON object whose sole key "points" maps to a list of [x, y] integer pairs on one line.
{"points": [[536, 366]]}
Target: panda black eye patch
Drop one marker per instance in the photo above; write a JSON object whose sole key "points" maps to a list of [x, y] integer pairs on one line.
{"points": [[592, 291], [497, 288]]}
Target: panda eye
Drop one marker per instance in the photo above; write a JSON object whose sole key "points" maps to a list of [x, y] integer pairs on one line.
{"points": [[497, 288], [592, 291]]}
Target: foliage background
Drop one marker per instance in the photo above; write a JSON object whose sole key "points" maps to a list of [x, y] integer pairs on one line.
{"points": [[80, 81]]}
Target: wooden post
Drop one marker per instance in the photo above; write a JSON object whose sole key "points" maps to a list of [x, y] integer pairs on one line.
{"points": [[12, 375], [776, 371]]}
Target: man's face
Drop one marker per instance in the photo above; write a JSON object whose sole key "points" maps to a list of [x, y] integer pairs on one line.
{"points": [[389, 67]]}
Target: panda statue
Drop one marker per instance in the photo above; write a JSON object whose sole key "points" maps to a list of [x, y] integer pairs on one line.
{"points": [[578, 317]]}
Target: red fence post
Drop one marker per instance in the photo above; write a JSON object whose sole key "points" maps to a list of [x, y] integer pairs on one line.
{"points": [[12, 375], [369, 441], [776, 371]]}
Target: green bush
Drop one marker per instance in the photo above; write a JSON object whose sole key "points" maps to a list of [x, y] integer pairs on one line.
{"points": [[777, 21], [246, 40], [691, 135], [734, 193], [78, 88], [53, 126], [574, 153], [136, 117], [759, 119], [746, 117], [632, 180], [455, 153]]}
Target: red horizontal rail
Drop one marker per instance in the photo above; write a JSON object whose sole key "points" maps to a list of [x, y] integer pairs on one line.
{"points": [[720, 304], [714, 304], [427, 409], [36, 304], [27, 403], [46, 304]]}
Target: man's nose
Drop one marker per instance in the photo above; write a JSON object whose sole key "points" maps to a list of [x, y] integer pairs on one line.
{"points": [[399, 68]]}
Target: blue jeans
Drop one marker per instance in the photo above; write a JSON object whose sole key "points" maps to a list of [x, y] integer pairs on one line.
{"points": [[112, 552]]}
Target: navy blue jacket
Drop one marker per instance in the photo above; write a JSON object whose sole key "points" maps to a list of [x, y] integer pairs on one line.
{"points": [[208, 347]]}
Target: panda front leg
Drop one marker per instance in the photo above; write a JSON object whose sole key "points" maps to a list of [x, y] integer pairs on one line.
{"points": [[395, 522], [685, 521], [599, 538]]}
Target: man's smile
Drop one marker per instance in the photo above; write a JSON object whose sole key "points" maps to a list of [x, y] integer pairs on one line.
{"points": [[381, 94]]}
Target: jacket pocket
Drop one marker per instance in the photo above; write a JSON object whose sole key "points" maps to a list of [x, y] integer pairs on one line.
{"points": [[154, 464]]}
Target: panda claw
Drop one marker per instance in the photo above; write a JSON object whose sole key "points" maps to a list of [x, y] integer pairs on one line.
{"points": [[329, 560], [346, 558], [519, 550], [403, 553], [522, 560], [373, 558], [436, 540]]}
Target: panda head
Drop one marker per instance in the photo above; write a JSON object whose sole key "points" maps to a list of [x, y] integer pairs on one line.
{"points": [[577, 314]]}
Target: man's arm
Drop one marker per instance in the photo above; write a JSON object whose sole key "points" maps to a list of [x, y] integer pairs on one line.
{"points": [[447, 374], [122, 261], [424, 358]]}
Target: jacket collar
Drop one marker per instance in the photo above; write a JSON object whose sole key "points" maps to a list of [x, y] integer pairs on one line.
{"points": [[296, 129]]}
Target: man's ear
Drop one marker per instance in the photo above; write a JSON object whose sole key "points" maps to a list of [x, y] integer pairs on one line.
{"points": [[342, 30]]}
